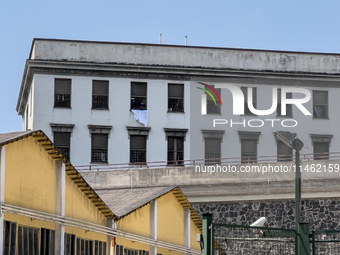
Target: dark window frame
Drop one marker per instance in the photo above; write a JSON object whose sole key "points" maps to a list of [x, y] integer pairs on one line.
{"points": [[247, 112], [138, 155], [284, 153], [323, 107], [211, 107], [175, 99], [62, 95], [100, 99], [175, 154], [289, 107], [138, 97], [65, 149], [212, 156], [99, 154]]}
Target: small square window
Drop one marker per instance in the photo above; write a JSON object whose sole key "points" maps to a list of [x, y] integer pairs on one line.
{"points": [[100, 94], [99, 148], [320, 104], [175, 98], [62, 93], [321, 150], [137, 149], [245, 94], [138, 96]]}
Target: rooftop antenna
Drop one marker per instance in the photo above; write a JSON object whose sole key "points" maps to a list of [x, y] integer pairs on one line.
{"points": [[186, 40], [160, 38]]}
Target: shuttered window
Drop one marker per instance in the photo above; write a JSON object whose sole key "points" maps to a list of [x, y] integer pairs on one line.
{"points": [[100, 94], [320, 104], [175, 97], [62, 93], [138, 96]]}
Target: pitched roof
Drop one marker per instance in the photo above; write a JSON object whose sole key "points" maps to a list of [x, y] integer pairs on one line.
{"points": [[124, 201], [53, 152]]}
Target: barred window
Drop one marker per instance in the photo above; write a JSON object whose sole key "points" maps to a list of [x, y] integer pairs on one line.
{"points": [[321, 150], [212, 151], [28, 242], [245, 93], [130, 251], [99, 148], [84, 247], [175, 150], [9, 237], [284, 152], [289, 107], [138, 96], [99, 248], [62, 93], [248, 151], [137, 149], [175, 97], [70, 244], [320, 104], [211, 107], [62, 142], [100, 94], [47, 241], [119, 250], [143, 252]]}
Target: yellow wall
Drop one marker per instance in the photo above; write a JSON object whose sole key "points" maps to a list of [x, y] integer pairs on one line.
{"points": [[30, 178], [137, 222], [170, 219], [193, 232], [78, 206], [28, 222]]}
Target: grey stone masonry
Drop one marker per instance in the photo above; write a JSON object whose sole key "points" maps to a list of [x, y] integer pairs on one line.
{"points": [[322, 214]]}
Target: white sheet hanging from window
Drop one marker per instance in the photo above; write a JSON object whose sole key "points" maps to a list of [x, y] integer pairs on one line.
{"points": [[141, 116]]}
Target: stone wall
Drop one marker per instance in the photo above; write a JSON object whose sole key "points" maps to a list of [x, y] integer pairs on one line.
{"points": [[320, 213]]}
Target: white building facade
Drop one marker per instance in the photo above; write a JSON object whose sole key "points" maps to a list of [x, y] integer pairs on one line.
{"points": [[85, 96]]}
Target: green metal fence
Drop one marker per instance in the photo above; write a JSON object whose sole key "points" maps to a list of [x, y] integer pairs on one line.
{"points": [[325, 242], [235, 239]]}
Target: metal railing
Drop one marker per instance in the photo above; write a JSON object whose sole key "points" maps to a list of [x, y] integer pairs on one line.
{"points": [[141, 163], [325, 242]]}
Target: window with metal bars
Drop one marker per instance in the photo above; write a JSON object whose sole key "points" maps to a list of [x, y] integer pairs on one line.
{"points": [[289, 107], [284, 153], [84, 247], [47, 241], [248, 151], [100, 94], [212, 151], [175, 97], [119, 250], [321, 150], [213, 108], [254, 100], [175, 150], [99, 148], [143, 252], [10, 229], [28, 241], [61, 140], [320, 104], [62, 93], [70, 244], [130, 251], [99, 248], [137, 148], [138, 95]]}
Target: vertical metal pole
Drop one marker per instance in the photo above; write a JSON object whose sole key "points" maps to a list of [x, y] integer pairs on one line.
{"points": [[207, 220], [297, 190]]}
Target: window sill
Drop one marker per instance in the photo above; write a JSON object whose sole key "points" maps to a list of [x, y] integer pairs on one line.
{"points": [[139, 109], [283, 116], [61, 107], [100, 109], [214, 113], [174, 112], [320, 118], [99, 163]]}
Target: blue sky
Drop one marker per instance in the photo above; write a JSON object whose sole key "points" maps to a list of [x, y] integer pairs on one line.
{"points": [[276, 25]]}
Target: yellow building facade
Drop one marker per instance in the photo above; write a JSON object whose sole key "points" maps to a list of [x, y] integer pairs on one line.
{"points": [[47, 207], [162, 214]]}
